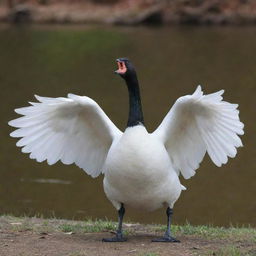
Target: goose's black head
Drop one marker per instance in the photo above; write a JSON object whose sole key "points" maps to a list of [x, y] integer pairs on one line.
{"points": [[125, 68]]}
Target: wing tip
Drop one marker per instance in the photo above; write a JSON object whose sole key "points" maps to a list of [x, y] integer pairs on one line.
{"points": [[12, 134], [37, 97], [198, 92], [221, 91], [12, 123], [183, 187]]}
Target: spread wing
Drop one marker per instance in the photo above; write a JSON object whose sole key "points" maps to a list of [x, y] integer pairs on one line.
{"points": [[197, 124], [73, 130]]}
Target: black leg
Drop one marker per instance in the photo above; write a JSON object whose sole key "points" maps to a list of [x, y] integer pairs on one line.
{"points": [[119, 233], [167, 236]]}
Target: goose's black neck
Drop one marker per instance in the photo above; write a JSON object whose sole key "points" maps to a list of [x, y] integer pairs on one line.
{"points": [[135, 108]]}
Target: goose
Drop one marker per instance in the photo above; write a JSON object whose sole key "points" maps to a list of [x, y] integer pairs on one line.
{"points": [[141, 169]]}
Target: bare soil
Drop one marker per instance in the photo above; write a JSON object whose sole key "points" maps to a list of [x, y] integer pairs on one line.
{"points": [[28, 243], [27, 237]]}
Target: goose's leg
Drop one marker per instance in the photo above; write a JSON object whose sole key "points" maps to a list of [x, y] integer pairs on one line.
{"points": [[167, 236], [119, 233]]}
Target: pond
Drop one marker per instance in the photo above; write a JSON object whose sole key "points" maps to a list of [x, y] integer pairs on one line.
{"points": [[171, 62]]}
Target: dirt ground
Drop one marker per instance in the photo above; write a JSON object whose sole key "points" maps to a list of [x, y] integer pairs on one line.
{"points": [[27, 243], [40, 237]]}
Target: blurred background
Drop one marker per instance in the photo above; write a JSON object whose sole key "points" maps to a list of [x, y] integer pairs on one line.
{"points": [[51, 48]]}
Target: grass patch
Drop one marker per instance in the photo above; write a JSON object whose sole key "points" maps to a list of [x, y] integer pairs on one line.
{"points": [[208, 231], [89, 226], [35, 224], [228, 251], [200, 240]]}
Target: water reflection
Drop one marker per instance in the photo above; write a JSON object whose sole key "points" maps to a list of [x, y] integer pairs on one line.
{"points": [[50, 181], [170, 63]]}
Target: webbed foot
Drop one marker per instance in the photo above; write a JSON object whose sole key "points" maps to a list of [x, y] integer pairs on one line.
{"points": [[166, 239], [117, 238]]}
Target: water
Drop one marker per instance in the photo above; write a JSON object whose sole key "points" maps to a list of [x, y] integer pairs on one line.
{"points": [[170, 62]]}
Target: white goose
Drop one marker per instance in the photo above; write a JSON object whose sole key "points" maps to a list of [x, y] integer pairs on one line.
{"points": [[141, 169]]}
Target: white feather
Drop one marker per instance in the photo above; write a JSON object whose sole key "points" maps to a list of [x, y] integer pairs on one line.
{"points": [[72, 130], [197, 124]]}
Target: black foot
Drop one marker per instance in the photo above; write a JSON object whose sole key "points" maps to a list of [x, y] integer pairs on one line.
{"points": [[166, 239], [117, 238]]}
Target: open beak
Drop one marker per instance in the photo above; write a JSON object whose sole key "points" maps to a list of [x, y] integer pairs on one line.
{"points": [[121, 67]]}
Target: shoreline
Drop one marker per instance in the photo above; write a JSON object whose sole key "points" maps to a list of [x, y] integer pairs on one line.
{"points": [[132, 13], [38, 236]]}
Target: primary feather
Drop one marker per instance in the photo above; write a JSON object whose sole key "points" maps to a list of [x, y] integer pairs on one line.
{"points": [[73, 129], [197, 124]]}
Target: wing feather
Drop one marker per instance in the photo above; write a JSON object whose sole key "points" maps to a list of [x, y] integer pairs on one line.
{"points": [[72, 130], [197, 124]]}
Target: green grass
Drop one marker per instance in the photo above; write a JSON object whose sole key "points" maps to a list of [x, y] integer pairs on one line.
{"points": [[89, 226], [208, 231], [231, 241], [35, 224], [229, 251]]}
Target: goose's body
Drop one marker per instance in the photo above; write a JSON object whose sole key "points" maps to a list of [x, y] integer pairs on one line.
{"points": [[141, 169], [138, 169]]}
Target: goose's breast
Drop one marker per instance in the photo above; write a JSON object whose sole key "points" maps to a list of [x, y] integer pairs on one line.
{"points": [[137, 169]]}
